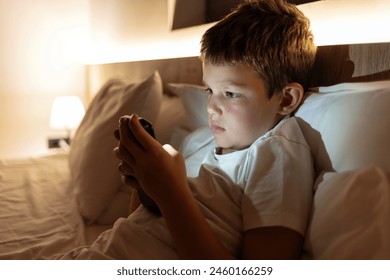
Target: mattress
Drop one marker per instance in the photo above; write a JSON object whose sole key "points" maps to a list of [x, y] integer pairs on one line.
{"points": [[38, 212]]}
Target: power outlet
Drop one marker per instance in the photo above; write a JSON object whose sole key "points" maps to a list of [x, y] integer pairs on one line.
{"points": [[53, 143]]}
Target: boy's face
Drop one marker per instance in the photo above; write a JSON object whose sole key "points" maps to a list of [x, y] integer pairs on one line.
{"points": [[239, 111]]}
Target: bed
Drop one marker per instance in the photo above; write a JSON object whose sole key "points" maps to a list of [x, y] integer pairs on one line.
{"points": [[53, 203]]}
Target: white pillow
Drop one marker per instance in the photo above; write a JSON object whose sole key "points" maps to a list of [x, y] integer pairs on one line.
{"points": [[194, 99], [348, 125], [195, 147], [93, 166], [350, 216]]}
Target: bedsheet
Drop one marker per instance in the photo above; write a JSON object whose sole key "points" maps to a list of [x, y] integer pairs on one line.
{"points": [[38, 212]]}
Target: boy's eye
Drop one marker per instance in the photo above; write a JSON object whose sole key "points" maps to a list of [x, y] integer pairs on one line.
{"points": [[208, 90], [232, 94]]}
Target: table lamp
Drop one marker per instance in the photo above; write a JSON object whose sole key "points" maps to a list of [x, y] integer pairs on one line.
{"points": [[66, 114]]}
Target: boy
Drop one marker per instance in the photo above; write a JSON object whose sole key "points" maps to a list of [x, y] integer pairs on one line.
{"points": [[252, 196]]}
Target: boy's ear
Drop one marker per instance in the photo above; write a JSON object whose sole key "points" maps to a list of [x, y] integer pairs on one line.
{"points": [[292, 96]]}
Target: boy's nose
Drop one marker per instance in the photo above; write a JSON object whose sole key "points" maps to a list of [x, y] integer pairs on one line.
{"points": [[214, 106]]}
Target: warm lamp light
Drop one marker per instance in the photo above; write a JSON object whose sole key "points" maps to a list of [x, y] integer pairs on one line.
{"points": [[333, 22], [66, 113], [337, 22]]}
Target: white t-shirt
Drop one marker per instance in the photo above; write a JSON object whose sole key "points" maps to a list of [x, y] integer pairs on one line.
{"points": [[268, 184]]}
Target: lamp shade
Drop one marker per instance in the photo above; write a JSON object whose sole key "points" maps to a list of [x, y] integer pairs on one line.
{"points": [[66, 112]]}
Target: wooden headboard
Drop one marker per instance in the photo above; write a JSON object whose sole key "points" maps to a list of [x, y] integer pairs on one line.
{"points": [[351, 63], [176, 70], [334, 64]]}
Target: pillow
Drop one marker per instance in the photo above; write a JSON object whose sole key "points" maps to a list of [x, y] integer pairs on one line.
{"points": [[194, 148], [347, 125], [350, 216], [195, 101], [93, 166], [172, 116]]}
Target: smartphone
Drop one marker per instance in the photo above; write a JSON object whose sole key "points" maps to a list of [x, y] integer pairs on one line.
{"points": [[143, 197]]}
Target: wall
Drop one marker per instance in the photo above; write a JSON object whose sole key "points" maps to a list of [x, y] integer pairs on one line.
{"points": [[42, 42], [45, 44], [123, 30], [124, 21]]}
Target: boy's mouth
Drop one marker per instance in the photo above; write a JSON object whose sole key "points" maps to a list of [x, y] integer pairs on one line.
{"points": [[216, 128]]}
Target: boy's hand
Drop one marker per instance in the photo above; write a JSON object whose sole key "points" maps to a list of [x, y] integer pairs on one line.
{"points": [[124, 168], [159, 170]]}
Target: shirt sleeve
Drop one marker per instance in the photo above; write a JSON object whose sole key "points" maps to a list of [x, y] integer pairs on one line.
{"points": [[278, 185]]}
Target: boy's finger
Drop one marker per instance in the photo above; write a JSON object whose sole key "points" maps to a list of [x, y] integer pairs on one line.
{"points": [[126, 169], [145, 140], [117, 134], [130, 181], [127, 138]]}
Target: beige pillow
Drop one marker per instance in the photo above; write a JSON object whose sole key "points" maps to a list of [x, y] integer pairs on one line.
{"points": [[194, 99], [172, 116], [93, 166]]}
